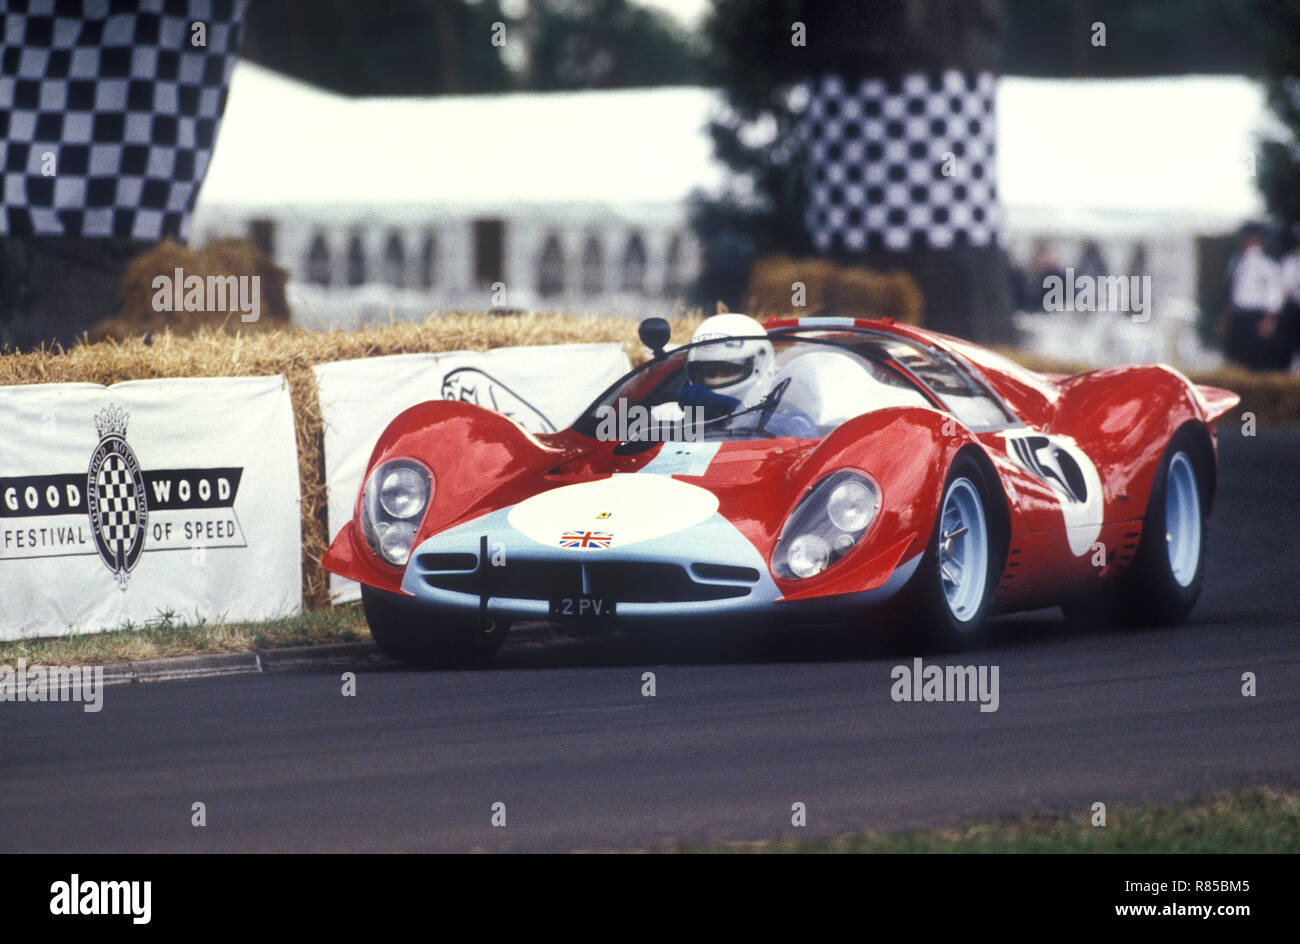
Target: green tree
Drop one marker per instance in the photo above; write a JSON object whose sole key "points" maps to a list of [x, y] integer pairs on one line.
{"points": [[430, 47], [1279, 158], [576, 44], [1053, 38], [764, 52], [761, 207], [392, 47]]}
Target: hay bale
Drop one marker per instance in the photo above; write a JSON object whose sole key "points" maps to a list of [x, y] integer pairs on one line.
{"points": [[831, 289], [139, 313]]}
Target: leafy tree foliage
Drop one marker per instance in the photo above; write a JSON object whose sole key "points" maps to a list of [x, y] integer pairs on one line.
{"points": [[429, 47], [1279, 159]]}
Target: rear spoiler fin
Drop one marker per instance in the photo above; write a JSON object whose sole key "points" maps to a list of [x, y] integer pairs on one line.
{"points": [[1217, 401]]}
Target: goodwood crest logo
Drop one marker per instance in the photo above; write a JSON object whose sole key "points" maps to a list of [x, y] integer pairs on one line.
{"points": [[117, 510], [115, 496]]}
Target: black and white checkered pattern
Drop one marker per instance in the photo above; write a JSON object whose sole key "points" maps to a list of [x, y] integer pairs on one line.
{"points": [[127, 106], [118, 512], [877, 157]]}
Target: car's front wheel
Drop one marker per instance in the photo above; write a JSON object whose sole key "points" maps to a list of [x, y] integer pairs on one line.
{"points": [[948, 597], [429, 637]]}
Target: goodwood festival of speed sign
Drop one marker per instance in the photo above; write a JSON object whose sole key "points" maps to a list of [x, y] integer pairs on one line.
{"points": [[118, 510]]}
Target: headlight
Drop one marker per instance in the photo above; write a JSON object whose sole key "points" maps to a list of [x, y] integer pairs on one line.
{"points": [[826, 524], [851, 505], [808, 555], [395, 541], [403, 491], [394, 501]]}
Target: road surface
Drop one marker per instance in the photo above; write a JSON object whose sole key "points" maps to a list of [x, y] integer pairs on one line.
{"points": [[563, 737]]}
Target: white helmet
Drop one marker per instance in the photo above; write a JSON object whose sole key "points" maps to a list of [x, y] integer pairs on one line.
{"points": [[742, 366]]}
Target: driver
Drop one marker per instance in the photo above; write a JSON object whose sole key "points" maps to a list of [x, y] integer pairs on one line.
{"points": [[735, 374], [740, 366]]}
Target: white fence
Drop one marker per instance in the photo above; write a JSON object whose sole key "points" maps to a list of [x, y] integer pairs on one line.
{"points": [[128, 503], [181, 498]]}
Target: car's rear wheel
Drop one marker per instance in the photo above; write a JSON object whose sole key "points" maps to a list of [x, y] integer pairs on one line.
{"points": [[948, 597], [1169, 568], [429, 637], [1164, 581]]}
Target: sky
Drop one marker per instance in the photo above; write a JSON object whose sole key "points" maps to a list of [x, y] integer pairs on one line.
{"points": [[690, 12]]}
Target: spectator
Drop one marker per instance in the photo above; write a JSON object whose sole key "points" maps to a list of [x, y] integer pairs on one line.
{"points": [[1288, 328], [1022, 296], [1044, 266], [1092, 262], [1249, 324]]}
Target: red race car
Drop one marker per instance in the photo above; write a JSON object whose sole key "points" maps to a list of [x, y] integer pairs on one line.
{"points": [[807, 470]]}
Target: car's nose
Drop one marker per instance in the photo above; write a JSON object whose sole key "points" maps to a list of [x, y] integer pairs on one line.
{"points": [[709, 568]]}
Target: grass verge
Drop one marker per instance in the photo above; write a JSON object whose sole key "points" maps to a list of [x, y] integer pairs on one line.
{"points": [[167, 635], [1252, 820]]}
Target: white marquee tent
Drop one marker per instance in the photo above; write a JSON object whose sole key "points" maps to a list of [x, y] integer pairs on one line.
{"points": [[1149, 162]]}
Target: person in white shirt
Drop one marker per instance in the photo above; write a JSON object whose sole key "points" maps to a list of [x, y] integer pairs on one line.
{"points": [[1256, 296], [1288, 328]]}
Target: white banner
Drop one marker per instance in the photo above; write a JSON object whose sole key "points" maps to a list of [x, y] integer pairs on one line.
{"points": [[144, 499], [544, 389]]}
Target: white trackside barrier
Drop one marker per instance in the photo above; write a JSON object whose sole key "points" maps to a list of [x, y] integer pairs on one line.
{"points": [[153, 497]]}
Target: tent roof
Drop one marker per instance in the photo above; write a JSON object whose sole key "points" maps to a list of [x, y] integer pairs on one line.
{"points": [[1178, 146], [283, 142], [1085, 150]]}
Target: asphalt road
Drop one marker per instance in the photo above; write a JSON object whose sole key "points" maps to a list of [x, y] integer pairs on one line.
{"points": [[562, 735]]}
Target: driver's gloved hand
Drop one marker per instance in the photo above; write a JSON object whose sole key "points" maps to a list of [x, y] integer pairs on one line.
{"points": [[715, 404]]}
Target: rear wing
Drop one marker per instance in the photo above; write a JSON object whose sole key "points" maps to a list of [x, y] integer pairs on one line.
{"points": [[1216, 400]]}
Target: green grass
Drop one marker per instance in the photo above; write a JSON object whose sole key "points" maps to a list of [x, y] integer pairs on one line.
{"points": [[168, 635], [1258, 819]]}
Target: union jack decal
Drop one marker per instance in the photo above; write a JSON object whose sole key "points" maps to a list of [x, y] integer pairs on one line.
{"points": [[586, 539]]}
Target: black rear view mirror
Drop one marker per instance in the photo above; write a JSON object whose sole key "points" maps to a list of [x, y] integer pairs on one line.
{"points": [[654, 334]]}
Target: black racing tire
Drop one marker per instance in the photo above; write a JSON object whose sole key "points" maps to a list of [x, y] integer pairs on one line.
{"points": [[1165, 579], [949, 618], [426, 637]]}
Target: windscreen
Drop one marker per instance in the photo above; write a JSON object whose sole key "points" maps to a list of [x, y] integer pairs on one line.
{"points": [[747, 388]]}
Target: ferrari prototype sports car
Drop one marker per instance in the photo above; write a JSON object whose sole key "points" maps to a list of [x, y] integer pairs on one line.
{"points": [[863, 473]]}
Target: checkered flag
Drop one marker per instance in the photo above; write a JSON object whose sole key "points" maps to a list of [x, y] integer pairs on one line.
{"points": [[901, 164], [109, 112]]}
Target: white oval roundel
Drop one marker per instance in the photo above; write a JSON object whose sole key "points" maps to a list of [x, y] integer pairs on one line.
{"points": [[612, 512]]}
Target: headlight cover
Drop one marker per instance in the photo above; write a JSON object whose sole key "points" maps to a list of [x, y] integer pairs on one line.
{"points": [[393, 504], [826, 524]]}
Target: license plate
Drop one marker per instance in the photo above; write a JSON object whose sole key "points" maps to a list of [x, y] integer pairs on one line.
{"points": [[582, 607]]}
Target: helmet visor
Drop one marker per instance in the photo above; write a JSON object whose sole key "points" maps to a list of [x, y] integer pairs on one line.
{"points": [[716, 374]]}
